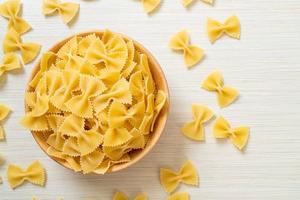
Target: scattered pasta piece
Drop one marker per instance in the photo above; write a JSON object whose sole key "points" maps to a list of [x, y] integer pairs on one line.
{"points": [[150, 5], [194, 129], [4, 111], [95, 110], [13, 42], [192, 54], [179, 196], [34, 174], [10, 62], [226, 95], [186, 3], [67, 10], [122, 196], [231, 27], [187, 174], [11, 9], [238, 136]]}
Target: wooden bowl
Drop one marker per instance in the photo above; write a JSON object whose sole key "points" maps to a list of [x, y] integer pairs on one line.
{"points": [[161, 120]]}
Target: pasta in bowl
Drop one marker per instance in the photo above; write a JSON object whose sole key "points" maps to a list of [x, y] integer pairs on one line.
{"points": [[97, 102]]}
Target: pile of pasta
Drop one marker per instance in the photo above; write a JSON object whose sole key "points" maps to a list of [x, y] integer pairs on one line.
{"points": [[94, 101]]}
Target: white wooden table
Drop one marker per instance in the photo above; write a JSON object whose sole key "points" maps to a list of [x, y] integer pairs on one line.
{"points": [[263, 65]]}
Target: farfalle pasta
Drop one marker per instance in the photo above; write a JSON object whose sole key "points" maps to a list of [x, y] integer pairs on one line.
{"points": [[67, 10], [11, 9], [95, 102], [191, 53], [35, 174], [187, 174], [12, 42], [238, 136], [194, 129], [150, 5], [225, 95], [9, 62]]}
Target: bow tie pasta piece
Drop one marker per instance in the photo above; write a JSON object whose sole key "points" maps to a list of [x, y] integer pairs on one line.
{"points": [[194, 129], [13, 42], [122, 196], [87, 140], [186, 3], [4, 112], [10, 62], [56, 139], [137, 141], [226, 95], [231, 27], [71, 80], [10, 9], [119, 114], [187, 174], [91, 161], [191, 53], [116, 136], [81, 105], [179, 196], [110, 49], [118, 92], [150, 5], [67, 10], [238, 136], [34, 174]]}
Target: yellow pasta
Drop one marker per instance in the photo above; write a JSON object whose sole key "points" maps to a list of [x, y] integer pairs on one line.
{"points": [[194, 129], [88, 100], [13, 42], [179, 196], [11, 9], [122, 196], [186, 3], [34, 174], [10, 62], [231, 27], [192, 54], [4, 111], [225, 95], [150, 5], [187, 174], [238, 136], [67, 10]]}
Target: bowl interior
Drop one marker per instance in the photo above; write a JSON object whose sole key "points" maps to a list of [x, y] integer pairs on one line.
{"points": [[161, 84]]}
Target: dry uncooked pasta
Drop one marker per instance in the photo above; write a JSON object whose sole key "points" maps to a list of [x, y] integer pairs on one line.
{"points": [[95, 101], [11, 9], [191, 53], [35, 174], [10, 62], [67, 10], [122, 196], [194, 129], [225, 95], [13, 42], [238, 136], [187, 174], [231, 27], [4, 111], [186, 3]]}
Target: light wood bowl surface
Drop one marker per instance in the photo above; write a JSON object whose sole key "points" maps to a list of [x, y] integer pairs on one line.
{"points": [[161, 84]]}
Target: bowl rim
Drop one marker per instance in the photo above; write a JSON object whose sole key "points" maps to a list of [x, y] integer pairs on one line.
{"points": [[162, 117]]}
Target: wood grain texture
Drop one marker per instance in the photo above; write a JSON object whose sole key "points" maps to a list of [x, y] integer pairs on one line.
{"points": [[263, 65]]}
